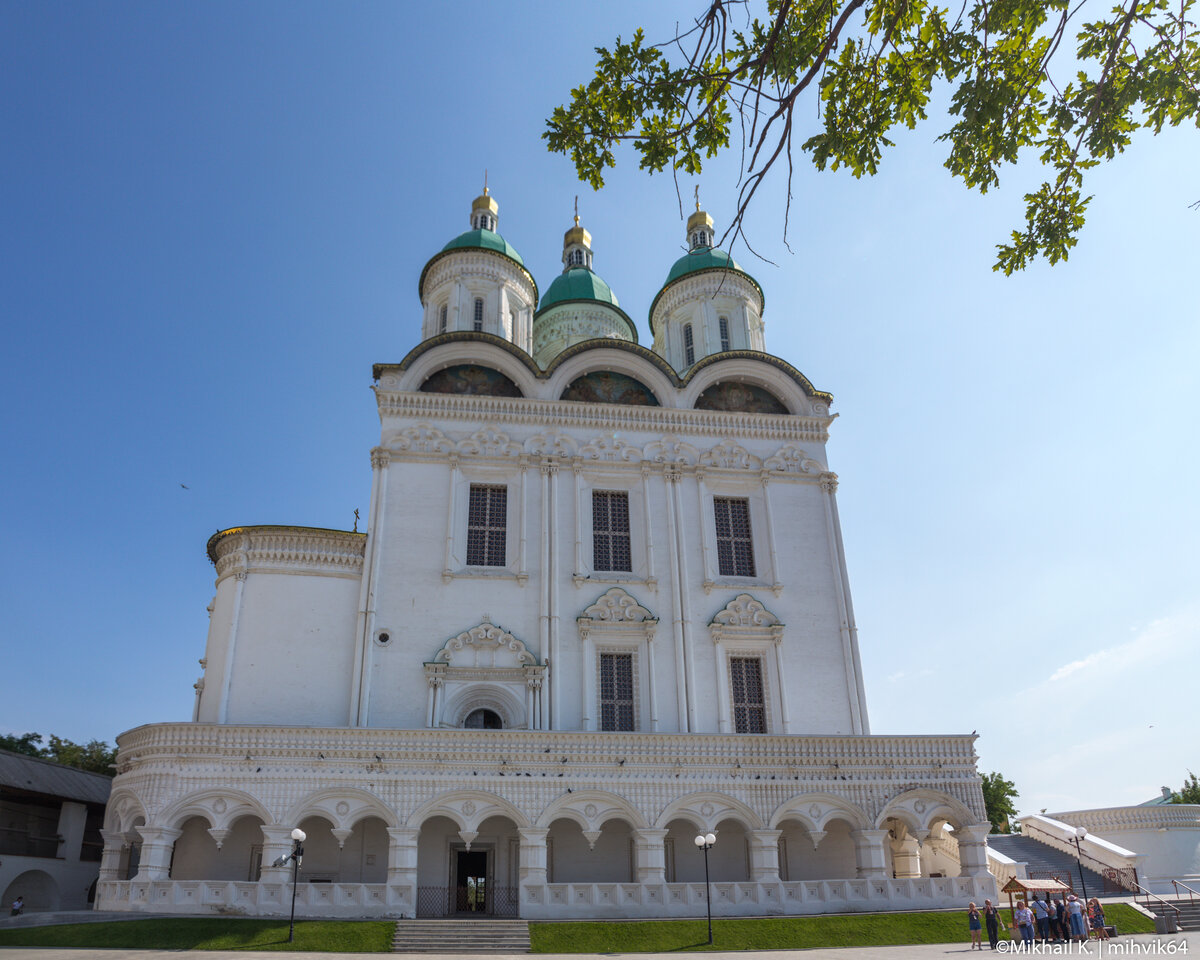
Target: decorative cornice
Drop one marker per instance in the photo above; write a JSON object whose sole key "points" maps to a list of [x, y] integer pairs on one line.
{"points": [[602, 416], [268, 548], [705, 284], [480, 256], [1165, 815]]}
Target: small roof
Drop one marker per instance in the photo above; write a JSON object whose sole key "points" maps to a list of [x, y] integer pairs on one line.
{"points": [[578, 283], [485, 240], [34, 775], [1025, 884], [701, 260]]}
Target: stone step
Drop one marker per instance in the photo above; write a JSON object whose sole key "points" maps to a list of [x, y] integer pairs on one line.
{"points": [[461, 936]]}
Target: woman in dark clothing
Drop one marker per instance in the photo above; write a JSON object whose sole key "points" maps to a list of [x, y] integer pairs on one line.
{"points": [[991, 917]]}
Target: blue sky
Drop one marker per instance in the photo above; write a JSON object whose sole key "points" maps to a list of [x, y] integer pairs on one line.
{"points": [[214, 218]]}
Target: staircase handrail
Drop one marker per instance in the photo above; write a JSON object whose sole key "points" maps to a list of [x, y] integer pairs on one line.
{"points": [[1071, 850], [1155, 896], [1192, 894]]}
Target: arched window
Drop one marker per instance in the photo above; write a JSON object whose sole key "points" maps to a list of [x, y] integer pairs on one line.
{"points": [[483, 720], [478, 313], [689, 348], [442, 320], [723, 324]]}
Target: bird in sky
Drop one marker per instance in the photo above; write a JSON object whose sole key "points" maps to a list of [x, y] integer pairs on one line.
{"points": [[185, 486]]}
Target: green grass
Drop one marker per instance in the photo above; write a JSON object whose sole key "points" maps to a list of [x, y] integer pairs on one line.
{"points": [[210, 933], [778, 933]]}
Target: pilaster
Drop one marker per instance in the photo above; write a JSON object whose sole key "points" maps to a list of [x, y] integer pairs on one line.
{"points": [[764, 855], [532, 855], [157, 844], [650, 857], [870, 852]]}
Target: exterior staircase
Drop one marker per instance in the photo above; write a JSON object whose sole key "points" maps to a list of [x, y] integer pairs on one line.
{"points": [[1189, 911], [461, 936], [1044, 860]]}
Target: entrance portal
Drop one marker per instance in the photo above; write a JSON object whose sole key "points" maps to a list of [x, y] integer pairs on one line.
{"points": [[471, 893]]}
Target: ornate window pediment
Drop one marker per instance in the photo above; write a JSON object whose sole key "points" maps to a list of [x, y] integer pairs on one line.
{"points": [[617, 606], [743, 617], [485, 646]]}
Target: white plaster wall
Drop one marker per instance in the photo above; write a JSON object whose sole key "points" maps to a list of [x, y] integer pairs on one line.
{"points": [[197, 857], [294, 650], [216, 650], [574, 862]]}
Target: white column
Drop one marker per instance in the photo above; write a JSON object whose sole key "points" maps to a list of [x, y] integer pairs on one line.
{"points": [[277, 842], [532, 855], [685, 607], [649, 524], [852, 626], [681, 695], [650, 858], [231, 646], [764, 855], [379, 460], [650, 681], [450, 508], [776, 575], [828, 486], [701, 528], [157, 843], [110, 859], [972, 849], [522, 568], [870, 853], [588, 673], [575, 467], [544, 593], [724, 699], [784, 712], [402, 855], [552, 577], [360, 631]]}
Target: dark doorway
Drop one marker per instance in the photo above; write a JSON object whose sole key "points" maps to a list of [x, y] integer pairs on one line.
{"points": [[483, 720], [471, 894]]}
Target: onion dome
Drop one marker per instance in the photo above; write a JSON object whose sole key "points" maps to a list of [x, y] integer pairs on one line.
{"points": [[579, 305]]}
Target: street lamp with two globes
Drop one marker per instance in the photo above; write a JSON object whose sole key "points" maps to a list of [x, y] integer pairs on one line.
{"points": [[297, 854], [705, 841]]}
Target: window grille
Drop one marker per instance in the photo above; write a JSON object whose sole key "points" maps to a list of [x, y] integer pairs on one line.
{"points": [[487, 526], [478, 313], [723, 323], [442, 320], [749, 711], [610, 530], [735, 545], [616, 691], [689, 348]]}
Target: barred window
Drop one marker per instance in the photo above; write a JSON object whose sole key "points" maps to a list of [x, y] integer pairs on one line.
{"points": [[735, 546], [723, 324], [442, 320], [487, 526], [478, 313], [689, 348], [610, 530], [616, 691], [749, 711]]}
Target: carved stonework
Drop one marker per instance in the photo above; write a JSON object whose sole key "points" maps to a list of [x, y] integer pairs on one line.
{"points": [[422, 439], [269, 549], [485, 645], [671, 450], [792, 459], [559, 445], [617, 606], [730, 455], [489, 442], [744, 611], [610, 449]]}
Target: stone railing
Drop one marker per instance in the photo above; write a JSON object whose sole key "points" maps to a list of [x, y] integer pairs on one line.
{"points": [[1172, 816], [1004, 868], [1096, 853], [557, 900]]}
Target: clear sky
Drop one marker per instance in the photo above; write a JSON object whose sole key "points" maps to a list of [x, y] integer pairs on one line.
{"points": [[212, 221]]}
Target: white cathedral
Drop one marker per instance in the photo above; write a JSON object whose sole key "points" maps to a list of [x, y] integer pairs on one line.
{"points": [[600, 607]]}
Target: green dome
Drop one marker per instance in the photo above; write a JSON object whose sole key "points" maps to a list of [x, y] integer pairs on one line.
{"points": [[484, 240], [704, 258], [698, 261], [578, 283]]}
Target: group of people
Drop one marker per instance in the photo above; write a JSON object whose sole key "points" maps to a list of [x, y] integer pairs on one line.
{"points": [[1040, 919]]}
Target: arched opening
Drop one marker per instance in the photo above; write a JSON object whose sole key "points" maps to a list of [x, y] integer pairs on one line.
{"points": [[832, 858], [574, 857], [904, 849], [364, 854], [729, 859], [37, 888], [739, 397], [608, 386], [322, 858], [467, 873], [483, 719], [131, 851], [198, 857], [470, 379], [939, 852]]}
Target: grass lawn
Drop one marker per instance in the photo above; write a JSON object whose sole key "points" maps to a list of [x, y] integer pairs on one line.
{"points": [[210, 933], [778, 933]]}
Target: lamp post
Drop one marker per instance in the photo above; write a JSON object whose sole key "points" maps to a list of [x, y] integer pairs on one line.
{"points": [[1080, 833], [705, 841], [297, 854]]}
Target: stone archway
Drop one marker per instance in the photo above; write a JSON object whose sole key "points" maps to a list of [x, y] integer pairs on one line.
{"points": [[575, 855], [233, 853], [37, 887], [827, 854]]}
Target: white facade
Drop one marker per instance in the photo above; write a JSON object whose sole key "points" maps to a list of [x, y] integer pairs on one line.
{"points": [[597, 609]]}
